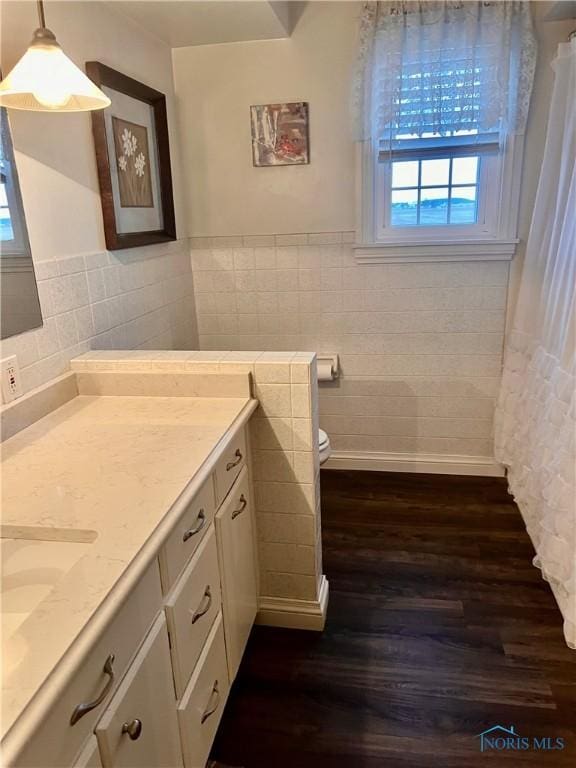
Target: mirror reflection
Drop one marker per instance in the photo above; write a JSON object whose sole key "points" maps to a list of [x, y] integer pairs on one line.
{"points": [[19, 303]]}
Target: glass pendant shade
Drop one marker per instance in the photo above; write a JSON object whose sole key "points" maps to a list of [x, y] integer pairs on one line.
{"points": [[46, 80]]}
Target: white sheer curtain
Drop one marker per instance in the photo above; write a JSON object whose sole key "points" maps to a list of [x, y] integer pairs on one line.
{"points": [[535, 418], [427, 67]]}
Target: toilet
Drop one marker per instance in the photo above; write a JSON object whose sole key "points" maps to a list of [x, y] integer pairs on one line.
{"points": [[324, 446]]}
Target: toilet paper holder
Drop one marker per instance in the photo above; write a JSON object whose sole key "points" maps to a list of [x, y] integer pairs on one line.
{"points": [[328, 367]]}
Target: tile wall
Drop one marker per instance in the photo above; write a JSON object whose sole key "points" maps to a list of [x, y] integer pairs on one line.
{"points": [[141, 298], [420, 344], [284, 443]]}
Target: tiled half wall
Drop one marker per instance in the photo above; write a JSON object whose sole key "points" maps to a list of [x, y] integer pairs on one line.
{"points": [[420, 344], [284, 444]]}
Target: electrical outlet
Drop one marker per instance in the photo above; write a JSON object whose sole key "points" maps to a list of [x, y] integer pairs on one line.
{"points": [[11, 384]]}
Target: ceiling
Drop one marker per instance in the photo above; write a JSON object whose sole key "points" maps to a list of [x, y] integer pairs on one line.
{"points": [[200, 22]]}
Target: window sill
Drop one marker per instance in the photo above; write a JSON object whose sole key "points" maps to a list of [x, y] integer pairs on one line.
{"points": [[448, 250]]}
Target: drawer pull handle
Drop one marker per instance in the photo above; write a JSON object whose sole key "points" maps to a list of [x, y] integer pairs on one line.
{"points": [[241, 508], [237, 460], [83, 709], [212, 708], [200, 523], [200, 611], [133, 729]]}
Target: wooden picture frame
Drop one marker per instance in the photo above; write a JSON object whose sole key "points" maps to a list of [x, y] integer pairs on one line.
{"points": [[116, 235]]}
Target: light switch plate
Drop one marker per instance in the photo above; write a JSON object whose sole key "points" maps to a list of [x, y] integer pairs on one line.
{"points": [[11, 382]]}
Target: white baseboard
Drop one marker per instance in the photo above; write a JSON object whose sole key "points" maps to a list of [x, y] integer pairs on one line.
{"points": [[295, 614], [431, 463]]}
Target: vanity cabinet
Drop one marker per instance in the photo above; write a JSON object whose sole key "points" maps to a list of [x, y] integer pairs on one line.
{"points": [[139, 727], [151, 690], [236, 549]]}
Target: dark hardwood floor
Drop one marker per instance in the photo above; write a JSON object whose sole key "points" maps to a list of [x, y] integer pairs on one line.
{"points": [[438, 628]]}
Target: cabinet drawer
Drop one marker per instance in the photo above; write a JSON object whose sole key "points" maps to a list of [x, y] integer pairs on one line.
{"points": [[236, 552], [230, 465], [140, 727], [89, 757], [201, 707], [56, 742], [187, 535], [191, 609]]}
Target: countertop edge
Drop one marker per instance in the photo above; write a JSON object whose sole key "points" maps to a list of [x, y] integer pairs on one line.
{"points": [[32, 715]]}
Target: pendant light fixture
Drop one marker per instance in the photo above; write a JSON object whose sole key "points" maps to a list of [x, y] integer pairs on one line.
{"points": [[46, 80]]}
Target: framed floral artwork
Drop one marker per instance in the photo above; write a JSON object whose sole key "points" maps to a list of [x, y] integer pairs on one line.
{"points": [[133, 159]]}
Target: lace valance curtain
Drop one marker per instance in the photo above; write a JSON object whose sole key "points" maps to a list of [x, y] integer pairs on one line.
{"points": [[441, 66]]}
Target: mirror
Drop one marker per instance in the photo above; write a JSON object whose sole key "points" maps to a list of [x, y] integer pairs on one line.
{"points": [[19, 303]]}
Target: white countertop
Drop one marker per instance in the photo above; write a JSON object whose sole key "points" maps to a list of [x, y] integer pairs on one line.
{"points": [[114, 466]]}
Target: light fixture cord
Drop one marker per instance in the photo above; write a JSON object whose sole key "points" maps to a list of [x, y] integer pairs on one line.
{"points": [[41, 17]]}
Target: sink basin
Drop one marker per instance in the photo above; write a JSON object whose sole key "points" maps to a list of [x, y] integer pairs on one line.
{"points": [[34, 560]]}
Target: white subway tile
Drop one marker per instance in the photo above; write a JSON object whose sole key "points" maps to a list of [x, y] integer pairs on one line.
{"points": [[297, 239], [325, 238], [243, 258], [294, 586], [302, 432], [47, 338], [274, 399], [273, 466], [256, 241], [265, 258], [278, 527], [286, 498], [288, 558], [273, 433], [272, 373], [67, 332]]}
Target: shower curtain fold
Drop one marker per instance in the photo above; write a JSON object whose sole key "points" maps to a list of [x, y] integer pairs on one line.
{"points": [[536, 413]]}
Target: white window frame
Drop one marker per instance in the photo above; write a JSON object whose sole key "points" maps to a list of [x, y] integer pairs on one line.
{"points": [[494, 237], [16, 247]]}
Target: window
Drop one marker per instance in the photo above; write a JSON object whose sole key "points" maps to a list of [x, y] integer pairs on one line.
{"points": [[12, 240], [434, 192], [438, 182], [441, 116]]}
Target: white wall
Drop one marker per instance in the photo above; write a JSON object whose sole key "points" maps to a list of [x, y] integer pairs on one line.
{"points": [[421, 345], [89, 297], [215, 86]]}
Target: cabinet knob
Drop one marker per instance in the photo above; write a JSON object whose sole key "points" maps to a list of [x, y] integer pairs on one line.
{"points": [[133, 729]]}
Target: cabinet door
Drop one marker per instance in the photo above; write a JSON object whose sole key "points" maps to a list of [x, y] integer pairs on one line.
{"points": [[140, 727], [235, 533], [89, 756]]}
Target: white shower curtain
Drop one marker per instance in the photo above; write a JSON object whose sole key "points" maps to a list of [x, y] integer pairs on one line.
{"points": [[535, 417]]}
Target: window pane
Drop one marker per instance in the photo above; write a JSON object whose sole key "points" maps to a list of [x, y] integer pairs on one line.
{"points": [[464, 170], [404, 208], [463, 205], [435, 172], [434, 206], [6, 232], [405, 174]]}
